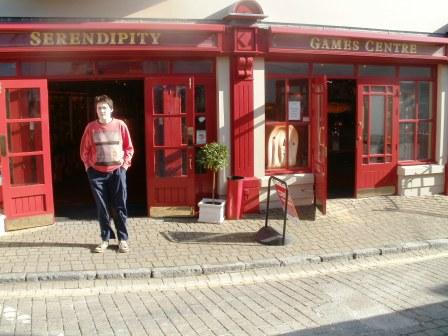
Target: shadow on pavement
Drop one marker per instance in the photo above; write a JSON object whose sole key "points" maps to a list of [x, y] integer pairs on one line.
{"points": [[433, 317], [88, 212], [186, 237], [442, 290], [7, 244], [414, 212]]}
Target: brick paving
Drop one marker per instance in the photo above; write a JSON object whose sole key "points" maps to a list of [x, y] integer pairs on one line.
{"points": [[403, 294], [350, 225]]}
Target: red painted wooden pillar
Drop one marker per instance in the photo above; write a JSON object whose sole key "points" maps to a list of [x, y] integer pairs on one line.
{"points": [[243, 119], [243, 101]]}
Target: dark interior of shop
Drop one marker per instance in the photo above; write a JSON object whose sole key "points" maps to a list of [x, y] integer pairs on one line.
{"points": [[71, 107], [341, 138]]}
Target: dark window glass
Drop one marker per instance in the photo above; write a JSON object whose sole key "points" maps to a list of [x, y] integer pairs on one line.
{"points": [[204, 67], [333, 69], [69, 68], [26, 170], [7, 69], [22, 103], [423, 72], [24, 137], [170, 162], [119, 67], [287, 68], [407, 100], [155, 67], [424, 140], [199, 98], [33, 68], [425, 100], [377, 71], [275, 100], [407, 134]]}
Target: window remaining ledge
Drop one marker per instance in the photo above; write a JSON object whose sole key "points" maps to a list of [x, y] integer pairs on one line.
{"points": [[290, 179], [425, 169]]}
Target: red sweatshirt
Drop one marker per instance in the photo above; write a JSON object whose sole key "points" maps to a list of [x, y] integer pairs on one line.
{"points": [[106, 147]]}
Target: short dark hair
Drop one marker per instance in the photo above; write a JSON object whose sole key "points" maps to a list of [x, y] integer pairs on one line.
{"points": [[104, 99]]}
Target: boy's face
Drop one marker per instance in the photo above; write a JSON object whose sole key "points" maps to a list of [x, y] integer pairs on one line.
{"points": [[104, 112]]}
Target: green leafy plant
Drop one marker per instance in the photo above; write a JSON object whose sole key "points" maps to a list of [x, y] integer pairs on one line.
{"points": [[213, 156]]}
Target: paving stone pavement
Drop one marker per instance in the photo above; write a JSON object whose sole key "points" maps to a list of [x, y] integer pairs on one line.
{"points": [[396, 294], [160, 248]]}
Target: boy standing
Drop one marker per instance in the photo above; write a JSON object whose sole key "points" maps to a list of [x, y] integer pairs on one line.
{"points": [[106, 150]]}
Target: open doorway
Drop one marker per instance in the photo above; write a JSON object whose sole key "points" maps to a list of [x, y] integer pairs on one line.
{"points": [[341, 137], [71, 107]]}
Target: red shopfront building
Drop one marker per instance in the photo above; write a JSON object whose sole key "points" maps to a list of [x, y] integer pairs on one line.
{"points": [[340, 112]]}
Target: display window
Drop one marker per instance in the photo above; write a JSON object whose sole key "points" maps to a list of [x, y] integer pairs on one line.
{"points": [[287, 118], [287, 125], [416, 117], [416, 122]]}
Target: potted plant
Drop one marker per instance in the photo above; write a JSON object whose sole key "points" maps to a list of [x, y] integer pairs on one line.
{"points": [[213, 157]]}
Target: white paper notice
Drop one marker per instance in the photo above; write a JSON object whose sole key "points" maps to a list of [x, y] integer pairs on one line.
{"points": [[294, 110], [201, 137]]}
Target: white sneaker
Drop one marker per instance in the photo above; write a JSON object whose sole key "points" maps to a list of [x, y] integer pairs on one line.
{"points": [[101, 247], [123, 246]]}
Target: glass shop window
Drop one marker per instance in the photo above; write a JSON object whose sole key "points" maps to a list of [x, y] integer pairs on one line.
{"points": [[287, 125], [416, 122]]}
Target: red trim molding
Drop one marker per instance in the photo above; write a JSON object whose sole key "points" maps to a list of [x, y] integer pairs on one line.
{"points": [[110, 26]]}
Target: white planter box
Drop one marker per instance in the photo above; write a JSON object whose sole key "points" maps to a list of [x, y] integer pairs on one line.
{"points": [[210, 212], [2, 224]]}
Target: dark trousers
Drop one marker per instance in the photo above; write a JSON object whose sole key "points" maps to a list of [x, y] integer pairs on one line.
{"points": [[109, 191]]}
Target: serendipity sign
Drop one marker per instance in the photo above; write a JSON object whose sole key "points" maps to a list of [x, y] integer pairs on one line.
{"points": [[291, 211], [181, 39]]}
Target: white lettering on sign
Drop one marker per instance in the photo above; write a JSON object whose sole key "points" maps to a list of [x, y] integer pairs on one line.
{"points": [[373, 46]]}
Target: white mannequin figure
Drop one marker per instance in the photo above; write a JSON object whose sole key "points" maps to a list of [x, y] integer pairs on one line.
{"points": [[277, 147], [293, 142], [274, 148]]}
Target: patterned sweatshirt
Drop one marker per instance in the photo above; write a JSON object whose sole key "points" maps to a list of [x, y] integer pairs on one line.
{"points": [[106, 147]]}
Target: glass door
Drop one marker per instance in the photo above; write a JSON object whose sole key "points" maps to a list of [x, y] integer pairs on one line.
{"points": [[25, 154]]}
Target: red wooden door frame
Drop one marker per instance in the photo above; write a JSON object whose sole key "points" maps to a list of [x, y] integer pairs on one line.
{"points": [[319, 102], [371, 175], [174, 190], [26, 200]]}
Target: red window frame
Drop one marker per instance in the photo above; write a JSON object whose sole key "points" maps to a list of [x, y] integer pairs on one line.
{"points": [[286, 123], [417, 121]]}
